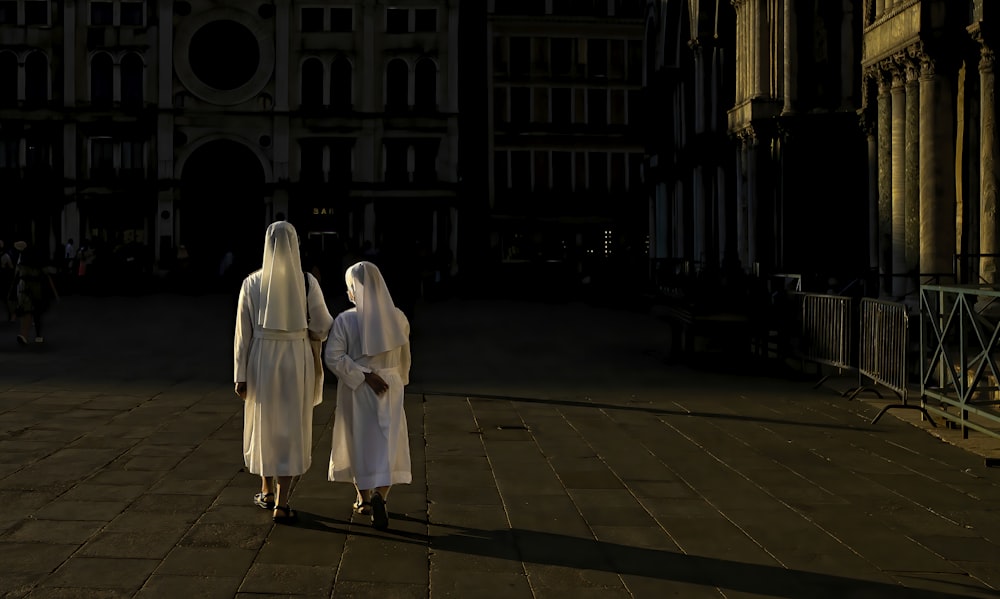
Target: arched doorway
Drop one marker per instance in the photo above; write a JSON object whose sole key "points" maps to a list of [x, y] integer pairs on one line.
{"points": [[222, 209]]}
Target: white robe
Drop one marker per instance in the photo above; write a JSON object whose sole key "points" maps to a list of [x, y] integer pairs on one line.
{"points": [[278, 369], [370, 440]]}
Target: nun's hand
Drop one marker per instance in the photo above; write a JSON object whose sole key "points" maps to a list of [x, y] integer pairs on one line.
{"points": [[241, 389], [378, 385]]}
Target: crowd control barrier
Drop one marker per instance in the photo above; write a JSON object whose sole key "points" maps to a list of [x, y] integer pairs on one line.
{"points": [[825, 331], [960, 340], [883, 353]]}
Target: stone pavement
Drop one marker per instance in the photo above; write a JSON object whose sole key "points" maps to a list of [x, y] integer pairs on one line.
{"points": [[556, 453]]}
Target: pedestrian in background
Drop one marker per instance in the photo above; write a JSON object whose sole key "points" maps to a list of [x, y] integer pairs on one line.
{"points": [[33, 290], [369, 351], [274, 371]]}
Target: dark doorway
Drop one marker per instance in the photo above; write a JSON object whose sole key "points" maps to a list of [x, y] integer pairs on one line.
{"points": [[222, 210]]}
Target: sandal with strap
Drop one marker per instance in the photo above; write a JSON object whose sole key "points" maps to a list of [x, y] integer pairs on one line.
{"points": [[288, 517], [380, 517], [264, 500], [363, 508]]}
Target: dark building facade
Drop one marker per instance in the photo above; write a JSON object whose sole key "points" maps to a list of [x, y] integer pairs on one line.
{"points": [[196, 123], [852, 140], [565, 191], [757, 163]]}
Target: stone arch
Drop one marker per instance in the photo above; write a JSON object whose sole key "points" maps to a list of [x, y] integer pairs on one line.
{"points": [[222, 204]]}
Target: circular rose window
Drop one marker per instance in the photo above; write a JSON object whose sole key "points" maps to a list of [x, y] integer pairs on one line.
{"points": [[224, 55]]}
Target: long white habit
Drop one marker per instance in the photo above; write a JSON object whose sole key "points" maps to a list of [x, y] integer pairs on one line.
{"points": [[272, 354], [370, 439]]}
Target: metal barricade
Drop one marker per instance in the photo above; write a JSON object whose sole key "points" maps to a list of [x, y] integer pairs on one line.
{"points": [[825, 331], [959, 347], [882, 352]]}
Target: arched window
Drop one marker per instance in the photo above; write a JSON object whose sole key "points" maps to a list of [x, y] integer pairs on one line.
{"points": [[340, 84], [132, 80], [312, 83], [397, 75], [102, 87], [8, 79], [425, 85], [36, 78]]}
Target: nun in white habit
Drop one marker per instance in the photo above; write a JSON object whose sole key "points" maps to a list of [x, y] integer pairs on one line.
{"points": [[369, 351], [274, 369]]}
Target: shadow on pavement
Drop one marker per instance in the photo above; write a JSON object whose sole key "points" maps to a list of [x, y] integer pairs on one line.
{"points": [[550, 549], [646, 410]]}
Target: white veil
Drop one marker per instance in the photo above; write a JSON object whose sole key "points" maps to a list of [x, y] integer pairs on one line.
{"points": [[282, 284], [382, 327]]}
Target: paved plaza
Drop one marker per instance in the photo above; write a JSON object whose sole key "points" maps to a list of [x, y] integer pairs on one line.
{"points": [[557, 452]]}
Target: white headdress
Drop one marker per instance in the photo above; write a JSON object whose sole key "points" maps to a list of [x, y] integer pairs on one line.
{"points": [[282, 284], [382, 326]]}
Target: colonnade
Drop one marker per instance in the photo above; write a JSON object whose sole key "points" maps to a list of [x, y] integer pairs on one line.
{"points": [[916, 192], [936, 173]]}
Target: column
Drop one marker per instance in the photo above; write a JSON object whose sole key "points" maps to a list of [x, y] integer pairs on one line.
{"points": [[757, 46], [989, 235], [884, 136], [911, 185], [937, 171], [898, 154], [699, 199], [790, 58], [742, 227], [725, 249], [741, 54]]}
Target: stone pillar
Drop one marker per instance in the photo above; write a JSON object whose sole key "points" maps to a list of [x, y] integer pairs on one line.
{"points": [[790, 73], [755, 47], [989, 151], [700, 235], [884, 136], [879, 8], [937, 171], [911, 184], [725, 248], [742, 224], [898, 154], [743, 54]]}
